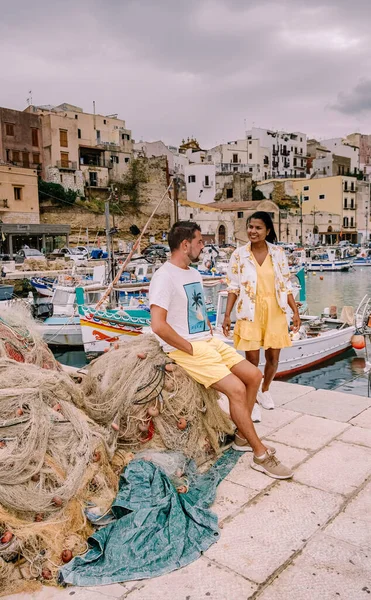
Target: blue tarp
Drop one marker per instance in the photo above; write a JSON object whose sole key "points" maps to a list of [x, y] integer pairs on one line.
{"points": [[156, 530]]}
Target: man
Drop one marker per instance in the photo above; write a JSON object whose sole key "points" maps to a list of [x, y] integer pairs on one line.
{"points": [[179, 320]]}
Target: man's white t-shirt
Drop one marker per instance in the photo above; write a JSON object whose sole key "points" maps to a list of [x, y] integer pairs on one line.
{"points": [[180, 292]]}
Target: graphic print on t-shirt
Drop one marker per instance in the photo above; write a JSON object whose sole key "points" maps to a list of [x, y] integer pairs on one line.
{"points": [[196, 311]]}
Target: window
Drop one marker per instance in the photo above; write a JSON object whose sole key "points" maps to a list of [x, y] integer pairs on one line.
{"points": [[296, 150], [306, 188], [306, 198], [61, 178], [125, 136], [352, 221], [345, 222], [191, 215], [250, 156], [240, 215], [191, 178], [64, 160], [63, 138], [209, 158], [250, 142], [16, 156], [74, 179], [235, 158], [98, 136], [115, 159], [9, 129], [79, 134], [207, 180], [17, 193], [35, 137], [345, 202], [104, 122], [7, 155], [76, 116], [351, 203], [229, 192], [36, 158], [345, 186], [321, 196], [127, 159], [25, 159], [93, 178]]}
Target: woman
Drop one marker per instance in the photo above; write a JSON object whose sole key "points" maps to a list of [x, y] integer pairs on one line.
{"points": [[259, 277]]}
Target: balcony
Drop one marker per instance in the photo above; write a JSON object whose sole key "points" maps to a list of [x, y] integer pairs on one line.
{"points": [[286, 164], [66, 165], [231, 168], [275, 152], [96, 161], [347, 189], [285, 152]]}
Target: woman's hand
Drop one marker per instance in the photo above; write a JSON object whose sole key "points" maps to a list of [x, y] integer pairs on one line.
{"points": [[226, 325], [296, 322]]}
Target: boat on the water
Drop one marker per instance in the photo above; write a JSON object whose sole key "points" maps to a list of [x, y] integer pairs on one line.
{"points": [[323, 259]]}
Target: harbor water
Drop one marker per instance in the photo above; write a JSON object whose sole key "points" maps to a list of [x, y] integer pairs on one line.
{"points": [[344, 373]]}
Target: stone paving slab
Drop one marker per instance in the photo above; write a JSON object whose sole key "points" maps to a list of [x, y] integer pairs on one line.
{"points": [[201, 579], [274, 419], [339, 468], [267, 532], [284, 392], [230, 497], [328, 569], [363, 420], [244, 475], [103, 592], [356, 435], [330, 404], [308, 432]]}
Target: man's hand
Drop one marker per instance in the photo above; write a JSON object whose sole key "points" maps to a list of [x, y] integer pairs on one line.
{"points": [[226, 325]]}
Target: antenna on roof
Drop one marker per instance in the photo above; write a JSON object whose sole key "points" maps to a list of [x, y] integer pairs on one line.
{"points": [[29, 99]]}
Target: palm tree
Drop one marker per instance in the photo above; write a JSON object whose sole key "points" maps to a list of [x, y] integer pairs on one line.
{"points": [[197, 299]]}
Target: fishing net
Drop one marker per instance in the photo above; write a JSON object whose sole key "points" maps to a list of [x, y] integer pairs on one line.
{"points": [[135, 389], [54, 462], [33, 264], [20, 340]]}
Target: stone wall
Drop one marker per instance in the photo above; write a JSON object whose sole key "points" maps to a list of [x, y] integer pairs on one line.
{"points": [[233, 187], [19, 217], [80, 218], [70, 180]]}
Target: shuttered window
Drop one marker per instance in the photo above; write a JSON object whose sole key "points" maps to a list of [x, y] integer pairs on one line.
{"points": [[35, 137], [63, 138]]}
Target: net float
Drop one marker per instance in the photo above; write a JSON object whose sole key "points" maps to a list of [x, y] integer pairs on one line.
{"points": [[169, 367], [6, 537], [115, 426], [39, 517], [321, 277], [19, 412], [358, 341], [66, 556], [142, 355], [35, 477], [2, 444], [57, 501], [143, 427], [153, 411], [181, 424], [182, 489], [57, 407], [116, 346], [96, 456], [46, 574]]}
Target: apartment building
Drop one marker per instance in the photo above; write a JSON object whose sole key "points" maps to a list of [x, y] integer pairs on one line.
{"points": [[241, 156], [19, 199], [287, 152], [20, 139]]}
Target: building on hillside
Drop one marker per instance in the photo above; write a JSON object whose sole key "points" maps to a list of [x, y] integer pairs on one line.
{"points": [[176, 161], [217, 226], [364, 144], [19, 199], [287, 151], [241, 156], [329, 165], [200, 182], [335, 195], [20, 139], [192, 150], [343, 147], [363, 211], [83, 150], [233, 187]]}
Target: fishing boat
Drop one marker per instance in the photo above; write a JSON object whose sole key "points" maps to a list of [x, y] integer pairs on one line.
{"points": [[319, 339], [6, 292], [323, 259], [43, 286], [363, 259]]}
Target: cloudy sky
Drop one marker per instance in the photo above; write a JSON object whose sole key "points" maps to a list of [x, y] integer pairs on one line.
{"points": [[176, 68]]}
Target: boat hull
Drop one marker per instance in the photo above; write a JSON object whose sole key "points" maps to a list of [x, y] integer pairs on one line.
{"points": [[61, 331], [330, 266]]}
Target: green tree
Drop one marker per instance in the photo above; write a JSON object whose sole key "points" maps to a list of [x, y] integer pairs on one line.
{"points": [[56, 193]]}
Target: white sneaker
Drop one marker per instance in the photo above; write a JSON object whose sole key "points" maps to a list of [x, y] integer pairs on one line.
{"points": [[265, 400], [256, 414]]}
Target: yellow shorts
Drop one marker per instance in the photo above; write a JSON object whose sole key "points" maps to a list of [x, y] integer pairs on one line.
{"points": [[211, 360]]}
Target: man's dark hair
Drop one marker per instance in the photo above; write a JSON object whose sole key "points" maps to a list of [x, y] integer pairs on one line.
{"points": [[180, 231]]}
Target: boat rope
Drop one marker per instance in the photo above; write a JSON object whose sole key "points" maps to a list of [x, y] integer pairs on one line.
{"points": [[133, 250]]}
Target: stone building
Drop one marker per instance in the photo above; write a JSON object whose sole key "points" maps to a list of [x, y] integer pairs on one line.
{"points": [[21, 139], [233, 187], [83, 150]]}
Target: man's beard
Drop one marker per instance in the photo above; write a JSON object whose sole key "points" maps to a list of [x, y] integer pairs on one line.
{"points": [[194, 258]]}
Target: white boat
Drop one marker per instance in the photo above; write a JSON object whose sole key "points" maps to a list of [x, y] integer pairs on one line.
{"points": [[323, 259], [44, 286], [363, 259], [324, 339]]}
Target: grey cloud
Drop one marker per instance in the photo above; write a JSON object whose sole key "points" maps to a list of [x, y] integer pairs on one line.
{"points": [[357, 101], [174, 68]]}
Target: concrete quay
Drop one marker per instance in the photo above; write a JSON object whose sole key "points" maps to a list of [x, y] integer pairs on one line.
{"points": [[304, 539]]}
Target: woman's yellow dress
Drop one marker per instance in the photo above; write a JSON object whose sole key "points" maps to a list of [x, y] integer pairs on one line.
{"points": [[269, 328]]}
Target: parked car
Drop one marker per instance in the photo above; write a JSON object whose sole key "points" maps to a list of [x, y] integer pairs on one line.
{"points": [[152, 248], [83, 250], [21, 255], [71, 253]]}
